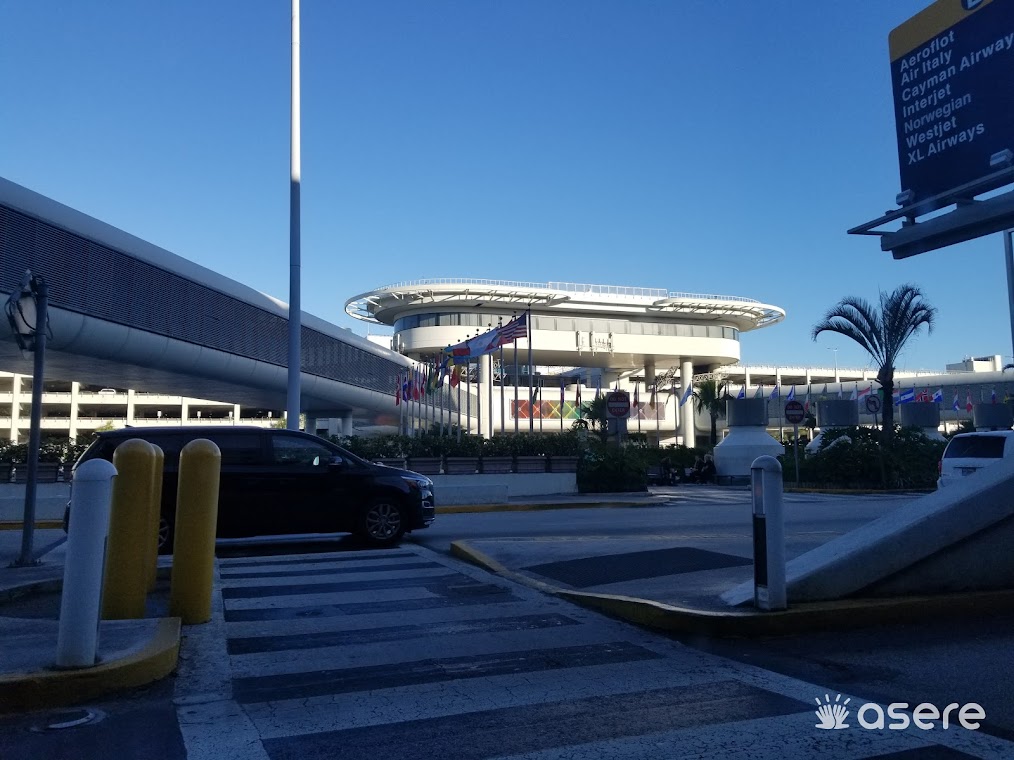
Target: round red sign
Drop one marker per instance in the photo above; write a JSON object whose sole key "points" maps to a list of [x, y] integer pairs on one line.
{"points": [[794, 412], [618, 404]]}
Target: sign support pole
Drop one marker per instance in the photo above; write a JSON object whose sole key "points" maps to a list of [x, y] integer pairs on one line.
{"points": [[1008, 244]]}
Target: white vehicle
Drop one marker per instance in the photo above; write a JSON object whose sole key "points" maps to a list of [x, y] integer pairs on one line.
{"points": [[967, 453]]}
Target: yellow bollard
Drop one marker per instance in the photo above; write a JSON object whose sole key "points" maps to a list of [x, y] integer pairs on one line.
{"points": [[196, 522], [126, 582], [155, 515]]}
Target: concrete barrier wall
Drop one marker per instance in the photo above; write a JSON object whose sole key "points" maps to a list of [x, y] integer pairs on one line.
{"points": [[50, 501], [954, 539], [454, 490]]}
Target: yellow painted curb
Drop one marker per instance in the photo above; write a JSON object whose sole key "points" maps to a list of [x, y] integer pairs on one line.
{"points": [[736, 623], [50, 688]]}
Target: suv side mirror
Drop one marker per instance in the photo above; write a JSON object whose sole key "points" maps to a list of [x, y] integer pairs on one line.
{"points": [[336, 461]]}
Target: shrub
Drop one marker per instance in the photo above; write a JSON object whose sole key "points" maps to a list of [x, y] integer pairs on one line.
{"points": [[606, 469], [855, 458]]}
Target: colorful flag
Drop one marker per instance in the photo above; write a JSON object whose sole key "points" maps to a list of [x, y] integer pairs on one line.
{"points": [[455, 375], [824, 392], [792, 394], [906, 396], [742, 392], [759, 393], [774, 393], [806, 403], [637, 396], [863, 394], [855, 393], [516, 328], [416, 384], [651, 401], [687, 393], [956, 405], [397, 390], [968, 402], [938, 395], [839, 391], [578, 391]]}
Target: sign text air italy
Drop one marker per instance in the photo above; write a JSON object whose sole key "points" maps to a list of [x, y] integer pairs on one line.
{"points": [[952, 66]]}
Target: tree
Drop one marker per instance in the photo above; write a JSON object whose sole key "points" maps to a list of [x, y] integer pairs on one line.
{"points": [[709, 396], [882, 333], [594, 411]]}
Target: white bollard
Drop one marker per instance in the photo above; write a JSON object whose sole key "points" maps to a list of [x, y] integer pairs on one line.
{"points": [[768, 534], [81, 602]]}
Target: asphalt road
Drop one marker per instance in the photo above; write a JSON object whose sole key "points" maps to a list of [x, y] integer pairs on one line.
{"points": [[719, 515]]}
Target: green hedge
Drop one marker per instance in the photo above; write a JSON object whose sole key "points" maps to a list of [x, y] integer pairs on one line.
{"points": [[855, 458]]}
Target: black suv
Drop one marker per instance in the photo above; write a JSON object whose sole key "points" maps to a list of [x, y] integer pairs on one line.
{"points": [[283, 481]]}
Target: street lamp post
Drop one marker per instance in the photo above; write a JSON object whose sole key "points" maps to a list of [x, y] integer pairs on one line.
{"points": [[832, 348], [27, 310]]}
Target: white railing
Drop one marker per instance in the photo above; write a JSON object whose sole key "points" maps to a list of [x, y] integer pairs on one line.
{"points": [[567, 287]]}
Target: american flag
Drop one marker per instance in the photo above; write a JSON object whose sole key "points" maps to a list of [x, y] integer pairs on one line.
{"points": [[510, 332]]}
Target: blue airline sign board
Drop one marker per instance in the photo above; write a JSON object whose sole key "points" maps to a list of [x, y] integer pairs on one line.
{"points": [[952, 66]]}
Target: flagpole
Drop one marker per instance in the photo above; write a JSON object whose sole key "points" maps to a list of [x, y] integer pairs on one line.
{"points": [[528, 327], [515, 344]]}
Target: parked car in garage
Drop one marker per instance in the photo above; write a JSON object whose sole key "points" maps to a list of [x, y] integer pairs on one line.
{"points": [[277, 482], [967, 453]]}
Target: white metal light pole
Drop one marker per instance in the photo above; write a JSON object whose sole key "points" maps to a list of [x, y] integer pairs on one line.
{"points": [[295, 313], [835, 349]]}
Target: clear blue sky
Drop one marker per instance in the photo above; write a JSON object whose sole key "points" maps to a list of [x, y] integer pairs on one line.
{"points": [[711, 147]]}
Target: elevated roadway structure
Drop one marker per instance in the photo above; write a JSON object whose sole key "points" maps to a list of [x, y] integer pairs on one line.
{"points": [[126, 313]]}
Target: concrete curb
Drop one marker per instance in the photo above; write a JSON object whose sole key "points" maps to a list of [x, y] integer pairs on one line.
{"points": [[534, 507], [841, 615], [155, 660]]}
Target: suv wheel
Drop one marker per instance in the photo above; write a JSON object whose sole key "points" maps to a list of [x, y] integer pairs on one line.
{"points": [[382, 524], [165, 536]]}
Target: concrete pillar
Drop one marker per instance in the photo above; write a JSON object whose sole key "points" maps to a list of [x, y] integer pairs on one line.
{"points": [[130, 406], [686, 377], [346, 423], [746, 378], [809, 377], [75, 389], [311, 424], [184, 411], [15, 406]]}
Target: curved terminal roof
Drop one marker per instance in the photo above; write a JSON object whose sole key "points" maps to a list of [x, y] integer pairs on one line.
{"points": [[387, 304]]}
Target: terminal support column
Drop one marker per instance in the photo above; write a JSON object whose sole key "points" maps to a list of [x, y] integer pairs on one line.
{"points": [[686, 379]]}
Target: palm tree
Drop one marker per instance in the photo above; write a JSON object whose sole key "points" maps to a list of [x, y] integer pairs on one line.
{"points": [[709, 396], [594, 411], [883, 334]]}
